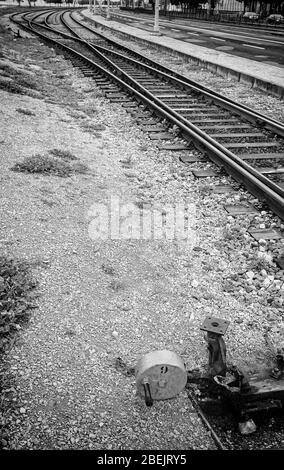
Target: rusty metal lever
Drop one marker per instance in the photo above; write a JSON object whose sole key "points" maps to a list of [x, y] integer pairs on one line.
{"points": [[148, 397]]}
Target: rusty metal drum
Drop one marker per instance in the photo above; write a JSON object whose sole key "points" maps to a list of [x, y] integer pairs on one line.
{"points": [[162, 373]]}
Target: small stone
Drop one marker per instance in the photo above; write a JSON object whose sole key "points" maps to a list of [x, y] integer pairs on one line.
{"points": [[266, 282], [250, 274], [271, 317], [262, 242], [194, 283], [115, 334], [263, 255], [22, 410], [278, 302], [247, 427]]}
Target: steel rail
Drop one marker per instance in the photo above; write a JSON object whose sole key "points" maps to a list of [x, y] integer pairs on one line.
{"points": [[249, 114], [239, 108], [180, 118], [253, 116], [256, 183]]}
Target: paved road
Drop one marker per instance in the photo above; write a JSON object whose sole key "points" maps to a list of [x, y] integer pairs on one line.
{"points": [[250, 42]]}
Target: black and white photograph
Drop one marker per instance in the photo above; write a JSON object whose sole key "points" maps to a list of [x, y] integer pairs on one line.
{"points": [[142, 231]]}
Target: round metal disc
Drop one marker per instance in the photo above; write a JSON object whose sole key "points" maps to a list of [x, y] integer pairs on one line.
{"points": [[165, 373]]}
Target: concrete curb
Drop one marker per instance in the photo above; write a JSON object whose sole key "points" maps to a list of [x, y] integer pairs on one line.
{"points": [[275, 89]]}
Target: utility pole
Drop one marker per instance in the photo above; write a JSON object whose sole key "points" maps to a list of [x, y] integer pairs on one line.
{"points": [[209, 8], [156, 22], [108, 11], [92, 4]]}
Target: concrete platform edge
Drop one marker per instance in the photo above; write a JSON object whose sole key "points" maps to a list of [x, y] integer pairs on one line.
{"points": [[254, 82]]}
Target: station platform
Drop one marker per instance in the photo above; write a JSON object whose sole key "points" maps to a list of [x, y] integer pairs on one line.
{"points": [[265, 77]]}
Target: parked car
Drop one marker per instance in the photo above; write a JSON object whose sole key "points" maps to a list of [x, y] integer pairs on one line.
{"points": [[250, 16], [275, 19]]}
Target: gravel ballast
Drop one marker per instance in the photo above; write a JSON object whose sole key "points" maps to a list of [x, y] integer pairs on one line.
{"points": [[100, 300]]}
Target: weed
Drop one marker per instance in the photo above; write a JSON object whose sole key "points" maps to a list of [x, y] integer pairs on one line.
{"points": [[116, 285], [108, 269], [47, 202], [11, 87], [19, 81], [122, 367], [47, 165], [140, 204], [64, 154], [90, 110], [25, 82], [89, 127], [61, 76], [79, 167], [98, 127], [25, 111], [16, 296], [232, 233], [7, 69], [127, 163], [96, 93], [204, 189], [257, 264]]}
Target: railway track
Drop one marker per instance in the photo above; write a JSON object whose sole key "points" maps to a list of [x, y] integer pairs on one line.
{"points": [[233, 136], [247, 144]]}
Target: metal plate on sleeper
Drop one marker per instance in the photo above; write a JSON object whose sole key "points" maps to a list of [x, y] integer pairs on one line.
{"points": [[215, 325]]}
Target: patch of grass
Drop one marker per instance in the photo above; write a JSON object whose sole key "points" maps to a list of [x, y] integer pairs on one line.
{"points": [[257, 264], [48, 202], [61, 76], [204, 189], [19, 82], [232, 233], [127, 162], [25, 82], [7, 69], [12, 87], [108, 269], [98, 127], [46, 165], [89, 127], [96, 93], [122, 367], [116, 285], [140, 204], [16, 296], [79, 167], [77, 114], [64, 154], [25, 111], [90, 110]]}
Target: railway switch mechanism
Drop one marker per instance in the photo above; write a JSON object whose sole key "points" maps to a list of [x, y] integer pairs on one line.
{"points": [[245, 395]]}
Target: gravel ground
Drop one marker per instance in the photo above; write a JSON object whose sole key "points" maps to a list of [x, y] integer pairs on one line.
{"points": [[100, 300]]}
